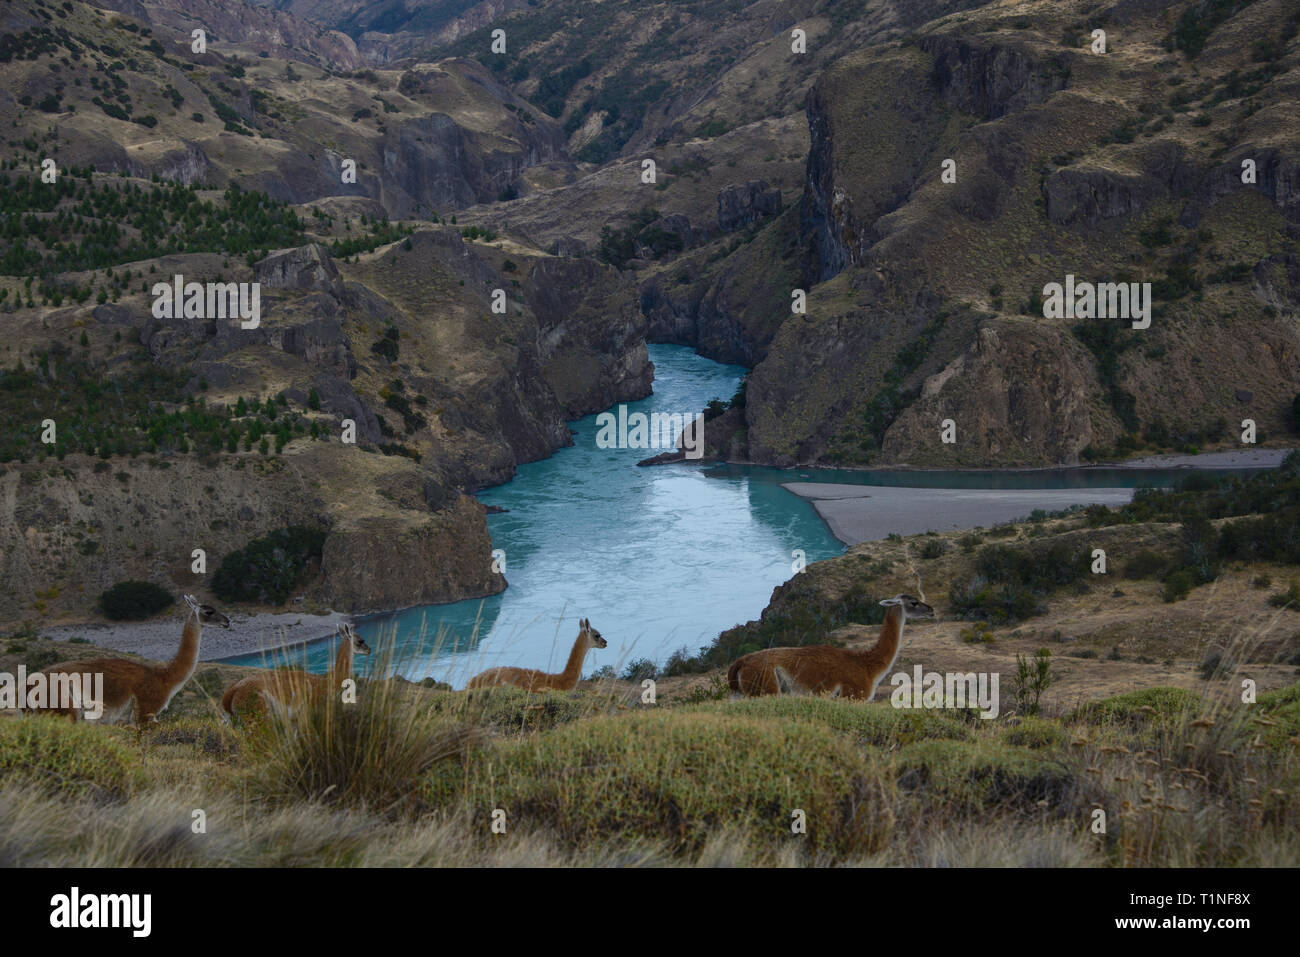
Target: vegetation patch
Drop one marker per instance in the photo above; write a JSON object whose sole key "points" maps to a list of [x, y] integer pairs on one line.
{"points": [[267, 569], [679, 778], [134, 600], [68, 758]]}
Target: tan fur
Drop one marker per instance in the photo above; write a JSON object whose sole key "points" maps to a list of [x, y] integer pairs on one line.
{"points": [[145, 687], [290, 690], [823, 669], [530, 679]]}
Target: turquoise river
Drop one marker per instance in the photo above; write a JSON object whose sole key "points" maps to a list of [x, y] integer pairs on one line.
{"points": [[658, 558]]}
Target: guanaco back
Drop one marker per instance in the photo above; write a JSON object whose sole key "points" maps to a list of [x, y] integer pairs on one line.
{"points": [[823, 669], [530, 679], [286, 691]]}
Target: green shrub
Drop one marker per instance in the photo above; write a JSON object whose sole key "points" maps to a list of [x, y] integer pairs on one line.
{"points": [[980, 633], [1145, 564], [1215, 665], [369, 754], [639, 669], [1009, 581], [267, 569], [875, 726], [511, 710], [934, 548], [1286, 599], [1033, 677], [1034, 732], [1140, 708], [1178, 585], [134, 600]]}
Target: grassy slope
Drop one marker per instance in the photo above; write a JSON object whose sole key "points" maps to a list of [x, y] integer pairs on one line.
{"points": [[1185, 779]]}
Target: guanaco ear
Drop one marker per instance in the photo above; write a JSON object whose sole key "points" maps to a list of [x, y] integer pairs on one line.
{"points": [[891, 601]]}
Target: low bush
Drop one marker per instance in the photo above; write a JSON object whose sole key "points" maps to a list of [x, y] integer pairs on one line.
{"points": [[134, 600]]}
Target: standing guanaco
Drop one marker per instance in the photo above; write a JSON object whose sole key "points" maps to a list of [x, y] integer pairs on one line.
{"points": [[286, 690], [145, 686], [530, 679], [818, 669]]}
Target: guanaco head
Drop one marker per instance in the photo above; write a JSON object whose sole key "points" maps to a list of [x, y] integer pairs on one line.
{"points": [[206, 612], [359, 646], [912, 607], [212, 616], [591, 635]]}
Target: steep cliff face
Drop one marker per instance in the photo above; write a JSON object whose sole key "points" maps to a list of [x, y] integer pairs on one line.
{"points": [[501, 386], [396, 562], [275, 32], [272, 102], [456, 395], [1054, 168], [591, 338], [728, 309], [1019, 393], [71, 532], [991, 78], [858, 172], [432, 162]]}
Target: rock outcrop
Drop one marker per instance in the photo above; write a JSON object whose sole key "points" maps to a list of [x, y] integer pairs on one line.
{"points": [[743, 205], [308, 267], [1021, 393], [393, 563], [590, 333]]}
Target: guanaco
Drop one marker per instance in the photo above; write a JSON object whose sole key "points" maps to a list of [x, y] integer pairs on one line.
{"points": [[143, 686], [285, 690], [823, 669], [530, 679]]}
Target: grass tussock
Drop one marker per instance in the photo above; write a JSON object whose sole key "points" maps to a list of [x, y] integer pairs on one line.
{"points": [[368, 753], [68, 758]]}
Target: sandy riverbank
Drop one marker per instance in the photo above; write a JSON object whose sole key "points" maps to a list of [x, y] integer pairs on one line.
{"points": [[248, 634], [861, 513], [1235, 459]]}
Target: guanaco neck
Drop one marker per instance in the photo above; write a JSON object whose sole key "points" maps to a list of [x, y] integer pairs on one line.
{"points": [[343, 661], [181, 668], [573, 669], [885, 650]]}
